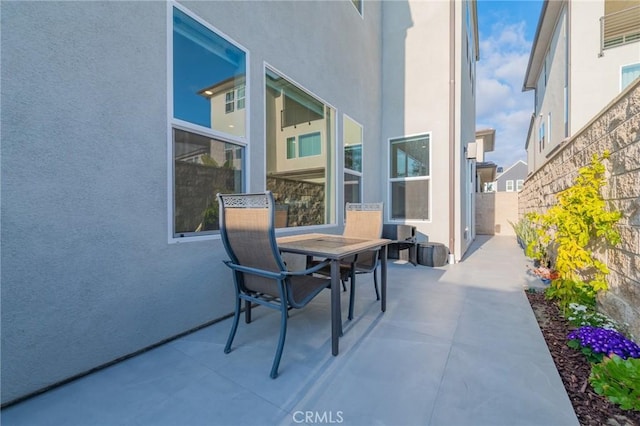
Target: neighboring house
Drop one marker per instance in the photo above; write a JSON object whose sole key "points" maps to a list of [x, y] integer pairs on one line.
{"points": [[512, 179], [145, 110], [485, 170], [583, 55]]}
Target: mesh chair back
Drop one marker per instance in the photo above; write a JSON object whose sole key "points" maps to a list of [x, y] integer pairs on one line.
{"points": [[247, 230], [364, 220]]}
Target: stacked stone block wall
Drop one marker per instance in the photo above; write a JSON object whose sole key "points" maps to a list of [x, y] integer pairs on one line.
{"points": [[616, 129]]}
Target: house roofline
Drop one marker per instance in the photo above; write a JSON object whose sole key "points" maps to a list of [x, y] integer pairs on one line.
{"points": [[544, 34], [476, 37], [531, 122], [511, 167]]}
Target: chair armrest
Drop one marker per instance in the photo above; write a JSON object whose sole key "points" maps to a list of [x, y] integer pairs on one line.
{"points": [[254, 271], [308, 271]]}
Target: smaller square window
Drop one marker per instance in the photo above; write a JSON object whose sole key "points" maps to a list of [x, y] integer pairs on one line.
{"points": [[291, 147], [240, 97], [629, 73], [229, 102], [519, 185], [509, 186]]}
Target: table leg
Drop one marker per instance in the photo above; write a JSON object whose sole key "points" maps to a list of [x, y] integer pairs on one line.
{"points": [[383, 272], [336, 320]]}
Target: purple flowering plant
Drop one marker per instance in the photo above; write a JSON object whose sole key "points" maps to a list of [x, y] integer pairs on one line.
{"points": [[597, 342]]}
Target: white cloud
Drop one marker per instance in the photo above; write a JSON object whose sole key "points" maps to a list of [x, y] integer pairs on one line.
{"points": [[501, 104]]}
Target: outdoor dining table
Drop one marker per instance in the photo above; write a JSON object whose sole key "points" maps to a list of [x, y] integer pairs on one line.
{"points": [[337, 248]]}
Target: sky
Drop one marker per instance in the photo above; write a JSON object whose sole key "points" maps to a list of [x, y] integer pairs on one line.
{"points": [[506, 32]]}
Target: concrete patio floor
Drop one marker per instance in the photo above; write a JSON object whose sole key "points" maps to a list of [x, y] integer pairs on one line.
{"points": [[458, 345]]}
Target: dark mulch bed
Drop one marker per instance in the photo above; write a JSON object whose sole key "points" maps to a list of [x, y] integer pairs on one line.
{"points": [[591, 408]]}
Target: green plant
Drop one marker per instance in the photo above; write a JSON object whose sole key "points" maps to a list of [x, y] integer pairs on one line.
{"points": [[208, 160], [580, 315], [210, 215], [619, 380], [525, 232], [574, 229]]}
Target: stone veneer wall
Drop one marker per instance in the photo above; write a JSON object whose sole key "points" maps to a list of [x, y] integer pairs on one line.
{"points": [[305, 200], [617, 129]]}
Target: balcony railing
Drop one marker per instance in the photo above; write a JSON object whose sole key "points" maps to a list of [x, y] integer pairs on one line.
{"points": [[619, 28]]}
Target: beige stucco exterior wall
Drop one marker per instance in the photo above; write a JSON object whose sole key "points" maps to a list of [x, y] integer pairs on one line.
{"points": [[416, 100], [494, 211], [617, 129], [409, 94], [593, 79]]}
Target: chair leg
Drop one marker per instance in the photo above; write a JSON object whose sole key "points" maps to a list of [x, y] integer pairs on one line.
{"points": [[352, 295], [283, 334], [344, 286], [247, 311], [375, 283], [234, 327]]}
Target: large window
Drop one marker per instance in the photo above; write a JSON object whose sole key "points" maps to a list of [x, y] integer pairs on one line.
{"points": [[352, 141], [208, 123], [410, 177], [300, 132]]}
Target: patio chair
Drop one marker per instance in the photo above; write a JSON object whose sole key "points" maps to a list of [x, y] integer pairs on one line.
{"points": [[282, 215], [363, 220], [259, 274]]}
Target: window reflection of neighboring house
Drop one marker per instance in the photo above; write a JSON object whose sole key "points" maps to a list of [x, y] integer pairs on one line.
{"points": [[228, 115], [299, 129]]}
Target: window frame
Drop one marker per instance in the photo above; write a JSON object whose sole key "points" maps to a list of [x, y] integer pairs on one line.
{"points": [[175, 123], [229, 102], [427, 178], [332, 181], [345, 169], [303, 138], [541, 134], [509, 185], [632, 66]]}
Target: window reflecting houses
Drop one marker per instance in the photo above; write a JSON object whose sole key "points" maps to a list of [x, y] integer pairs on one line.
{"points": [[209, 125], [410, 177], [299, 130], [227, 100], [352, 138]]}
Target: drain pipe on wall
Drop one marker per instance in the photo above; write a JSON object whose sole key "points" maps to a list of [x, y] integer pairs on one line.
{"points": [[452, 128]]}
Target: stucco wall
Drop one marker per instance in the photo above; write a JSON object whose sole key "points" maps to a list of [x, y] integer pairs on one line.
{"points": [[494, 211], [416, 100], [617, 129], [88, 275]]}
